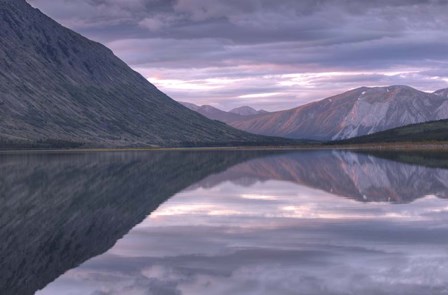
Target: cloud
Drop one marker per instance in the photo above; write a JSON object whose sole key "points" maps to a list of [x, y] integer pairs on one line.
{"points": [[156, 23], [259, 39]]}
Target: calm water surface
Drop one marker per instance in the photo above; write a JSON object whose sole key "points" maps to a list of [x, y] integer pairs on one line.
{"points": [[322, 222]]}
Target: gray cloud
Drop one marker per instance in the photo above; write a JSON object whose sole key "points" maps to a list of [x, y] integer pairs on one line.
{"points": [[242, 41]]}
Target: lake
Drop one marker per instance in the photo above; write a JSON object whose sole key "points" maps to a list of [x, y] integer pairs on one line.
{"points": [[224, 222]]}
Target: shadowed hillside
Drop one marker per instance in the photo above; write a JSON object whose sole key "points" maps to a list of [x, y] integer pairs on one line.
{"points": [[59, 89], [435, 131]]}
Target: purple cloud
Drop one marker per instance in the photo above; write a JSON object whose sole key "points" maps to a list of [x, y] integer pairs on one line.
{"points": [[230, 53]]}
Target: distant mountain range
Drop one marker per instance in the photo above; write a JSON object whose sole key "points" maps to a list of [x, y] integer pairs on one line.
{"points": [[59, 89], [233, 115], [247, 111], [354, 113], [351, 114]]}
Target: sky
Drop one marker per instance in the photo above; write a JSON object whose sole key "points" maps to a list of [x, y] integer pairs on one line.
{"points": [[268, 54]]}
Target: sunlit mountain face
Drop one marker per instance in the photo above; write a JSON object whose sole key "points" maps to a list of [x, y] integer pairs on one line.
{"points": [[316, 222]]}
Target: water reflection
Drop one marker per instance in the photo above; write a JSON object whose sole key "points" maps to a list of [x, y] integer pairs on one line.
{"points": [[362, 177], [59, 210], [239, 223]]}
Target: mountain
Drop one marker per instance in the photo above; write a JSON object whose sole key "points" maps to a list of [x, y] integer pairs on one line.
{"points": [[354, 113], [58, 88], [191, 106], [247, 111], [233, 115], [212, 113], [422, 132], [442, 92]]}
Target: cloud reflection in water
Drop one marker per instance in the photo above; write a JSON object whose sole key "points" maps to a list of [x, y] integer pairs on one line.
{"points": [[245, 232]]}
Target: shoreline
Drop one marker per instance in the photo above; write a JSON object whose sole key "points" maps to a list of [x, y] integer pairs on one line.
{"points": [[405, 146]]}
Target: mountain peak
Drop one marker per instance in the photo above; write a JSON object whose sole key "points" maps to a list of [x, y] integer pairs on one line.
{"points": [[246, 111], [389, 88], [13, 1], [189, 105], [399, 87], [384, 93], [214, 113], [357, 112], [442, 92], [22, 5]]}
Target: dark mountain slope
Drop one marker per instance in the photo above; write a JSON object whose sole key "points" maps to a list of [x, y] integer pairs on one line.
{"points": [[212, 113], [430, 132], [57, 87]]}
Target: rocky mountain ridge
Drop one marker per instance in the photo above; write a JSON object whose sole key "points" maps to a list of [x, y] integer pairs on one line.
{"points": [[247, 111], [213, 113], [357, 112], [442, 92]]}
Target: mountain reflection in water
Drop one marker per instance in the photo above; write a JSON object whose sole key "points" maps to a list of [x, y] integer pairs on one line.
{"points": [[315, 222]]}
